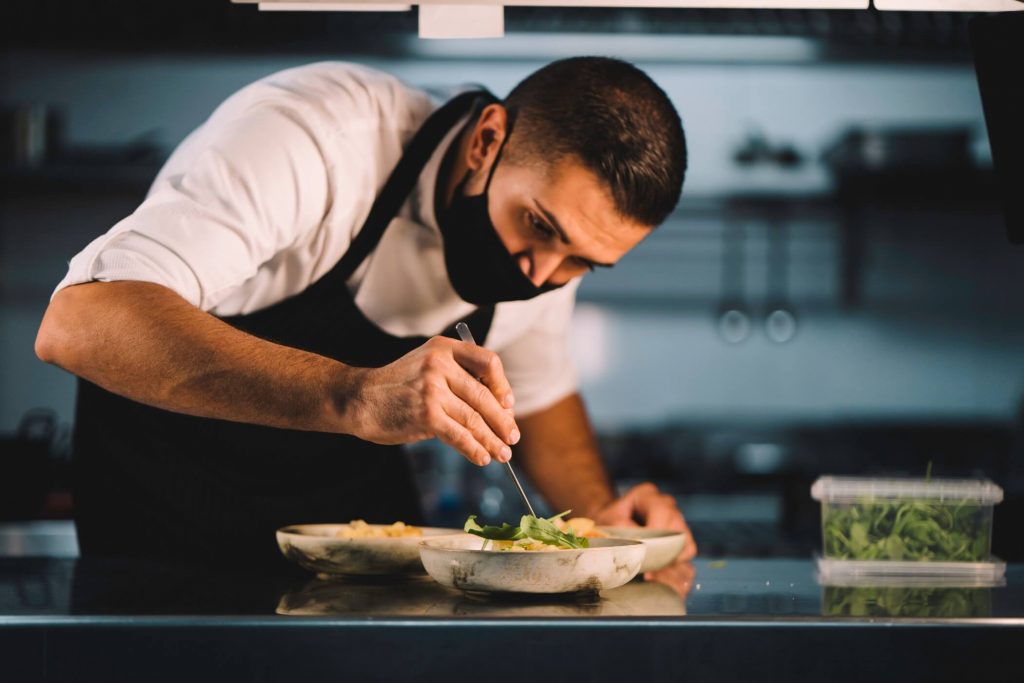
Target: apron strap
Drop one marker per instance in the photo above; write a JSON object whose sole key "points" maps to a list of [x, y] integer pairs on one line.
{"points": [[403, 178]]}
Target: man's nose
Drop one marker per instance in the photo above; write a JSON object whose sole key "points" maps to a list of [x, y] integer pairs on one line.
{"points": [[539, 266]]}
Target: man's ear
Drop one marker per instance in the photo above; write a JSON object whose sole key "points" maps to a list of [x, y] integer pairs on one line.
{"points": [[487, 136]]}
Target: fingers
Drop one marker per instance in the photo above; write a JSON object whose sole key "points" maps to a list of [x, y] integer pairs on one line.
{"points": [[461, 410], [478, 398], [485, 365], [690, 549], [661, 511], [656, 509], [619, 513], [663, 514], [678, 576], [461, 439], [477, 427]]}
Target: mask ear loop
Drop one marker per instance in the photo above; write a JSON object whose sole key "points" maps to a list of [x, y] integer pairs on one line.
{"points": [[509, 120]]}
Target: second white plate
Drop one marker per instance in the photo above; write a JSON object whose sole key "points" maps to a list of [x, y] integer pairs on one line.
{"points": [[663, 545], [316, 548]]}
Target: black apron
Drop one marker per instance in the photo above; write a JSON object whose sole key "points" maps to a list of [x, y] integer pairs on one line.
{"points": [[152, 483]]}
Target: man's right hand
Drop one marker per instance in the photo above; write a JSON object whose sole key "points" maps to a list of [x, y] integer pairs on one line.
{"points": [[143, 341], [447, 389]]}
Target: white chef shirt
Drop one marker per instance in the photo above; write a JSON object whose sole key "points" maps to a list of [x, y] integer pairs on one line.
{"points": [[265, 197]]}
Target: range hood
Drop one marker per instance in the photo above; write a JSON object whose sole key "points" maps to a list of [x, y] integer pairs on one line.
{"points": [[486, 18]]}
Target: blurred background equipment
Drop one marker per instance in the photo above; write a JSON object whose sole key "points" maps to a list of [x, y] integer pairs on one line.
{"points": [[835, 292], [26, 463], [998, 54]]}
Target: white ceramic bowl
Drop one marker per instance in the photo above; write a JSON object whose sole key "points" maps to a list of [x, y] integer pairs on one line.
{"points": [[663, 545], [316, 548], [458, 562]]}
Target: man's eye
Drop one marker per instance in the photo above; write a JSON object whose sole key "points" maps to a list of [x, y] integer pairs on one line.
{"points": [[583, 263], [541, 228]]}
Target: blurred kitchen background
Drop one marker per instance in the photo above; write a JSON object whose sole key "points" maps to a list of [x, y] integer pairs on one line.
{"points": [[836, 293]]}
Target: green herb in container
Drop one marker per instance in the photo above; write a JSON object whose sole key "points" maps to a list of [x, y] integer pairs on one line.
{"points": [[908, 521]]}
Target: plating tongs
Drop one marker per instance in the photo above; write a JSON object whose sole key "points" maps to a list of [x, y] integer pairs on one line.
{"points": [[467, 336]]}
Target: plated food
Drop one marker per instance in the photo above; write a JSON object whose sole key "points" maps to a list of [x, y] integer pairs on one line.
{"points": [[534, 534], [537, 534], [583, 556], [460, 562], [357, 548], [540, 555], [359, 529], [581, 526]]}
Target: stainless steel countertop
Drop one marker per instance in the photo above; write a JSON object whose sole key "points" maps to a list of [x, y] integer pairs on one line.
{"points": [[736, 620]]}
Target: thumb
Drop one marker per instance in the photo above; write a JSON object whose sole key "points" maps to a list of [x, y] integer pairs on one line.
{"points": [[619, 513]]}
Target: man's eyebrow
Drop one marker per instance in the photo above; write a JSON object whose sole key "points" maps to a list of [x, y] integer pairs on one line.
{"points": [[565, 238], [554, 222]]}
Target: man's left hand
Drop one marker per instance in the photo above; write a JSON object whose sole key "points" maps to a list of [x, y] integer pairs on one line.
{"points": [[645, 505]]}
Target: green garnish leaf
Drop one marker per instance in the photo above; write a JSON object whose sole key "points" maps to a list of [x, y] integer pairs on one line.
{"points": [[530, 527], [505, 532], [544, 530]]}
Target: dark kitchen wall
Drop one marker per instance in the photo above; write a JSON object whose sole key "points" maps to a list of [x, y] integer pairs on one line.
{"points": [[839, 173], [924, 322]]}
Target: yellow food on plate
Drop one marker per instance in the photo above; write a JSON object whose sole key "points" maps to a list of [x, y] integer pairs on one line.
{"points": [[526, 545], [581, 526], [534, 534], [357, 528]]}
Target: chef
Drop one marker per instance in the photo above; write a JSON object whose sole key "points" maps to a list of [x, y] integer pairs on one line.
{"points": [[256, 341]]}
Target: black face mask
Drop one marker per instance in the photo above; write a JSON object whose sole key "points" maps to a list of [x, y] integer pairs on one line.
{"points": [[480, 268]]}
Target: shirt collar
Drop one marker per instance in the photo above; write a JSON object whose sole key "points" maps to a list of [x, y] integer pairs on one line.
{"points": [[422, 205]]}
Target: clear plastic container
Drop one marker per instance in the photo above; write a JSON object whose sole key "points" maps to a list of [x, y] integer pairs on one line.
{"points": [[906, 527]]}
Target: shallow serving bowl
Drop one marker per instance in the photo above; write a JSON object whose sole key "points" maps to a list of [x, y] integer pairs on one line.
{"points": [[459, 562], [315, 547], [663, 545]]}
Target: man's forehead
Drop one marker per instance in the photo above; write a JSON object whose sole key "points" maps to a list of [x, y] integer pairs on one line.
{"points": [[584, 207]]}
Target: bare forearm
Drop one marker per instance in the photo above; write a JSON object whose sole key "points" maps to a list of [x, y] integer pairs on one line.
{"points": [[143, 341], [559, 454]]}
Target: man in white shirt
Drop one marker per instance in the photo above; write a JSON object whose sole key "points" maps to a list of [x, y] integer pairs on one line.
{"points": [[256, 336]]}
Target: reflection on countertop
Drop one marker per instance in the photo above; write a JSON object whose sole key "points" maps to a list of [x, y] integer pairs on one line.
{"points": [[732, 590], [426, 598]]}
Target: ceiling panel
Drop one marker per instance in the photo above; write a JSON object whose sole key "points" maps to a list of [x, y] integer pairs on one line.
{"points": [[950, 5]]}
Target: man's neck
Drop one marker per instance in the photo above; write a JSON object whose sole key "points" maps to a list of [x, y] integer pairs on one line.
{"points": [[452, 170]]}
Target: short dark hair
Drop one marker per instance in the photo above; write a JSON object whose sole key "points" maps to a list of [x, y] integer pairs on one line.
{"points": [[614, 119]]}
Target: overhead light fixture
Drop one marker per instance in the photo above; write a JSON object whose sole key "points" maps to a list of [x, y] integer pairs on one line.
{"points": [[306, 6], [486, 18], [461, 21], [950, 5], [329, 5]]}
